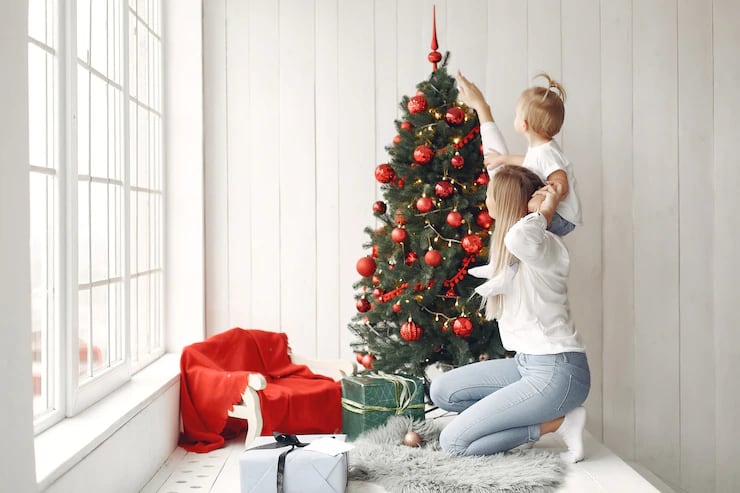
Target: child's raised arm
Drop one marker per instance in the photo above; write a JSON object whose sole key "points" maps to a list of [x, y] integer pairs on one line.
{"points": [[473, 97]]}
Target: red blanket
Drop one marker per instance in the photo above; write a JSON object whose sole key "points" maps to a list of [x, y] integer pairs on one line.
{"points": [[214, 374]]}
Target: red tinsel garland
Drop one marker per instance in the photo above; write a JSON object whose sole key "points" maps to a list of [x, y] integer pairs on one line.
{"points": [[451, 283], [463, 141]]}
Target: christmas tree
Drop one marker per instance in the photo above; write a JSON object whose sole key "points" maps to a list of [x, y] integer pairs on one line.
{"points": [[415, 300]]}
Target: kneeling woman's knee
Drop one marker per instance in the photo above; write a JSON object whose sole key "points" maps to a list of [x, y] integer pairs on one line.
{"points": [[439, 394], [450, 443]]}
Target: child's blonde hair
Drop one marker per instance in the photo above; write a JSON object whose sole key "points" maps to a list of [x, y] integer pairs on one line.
{"points": [[511, 188], [544, 107]]}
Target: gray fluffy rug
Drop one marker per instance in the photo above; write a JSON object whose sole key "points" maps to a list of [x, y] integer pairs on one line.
{"points": [[380, 457]]}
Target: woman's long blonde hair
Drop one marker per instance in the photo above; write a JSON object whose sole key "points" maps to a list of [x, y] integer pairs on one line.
{"points": [[511, 188]]}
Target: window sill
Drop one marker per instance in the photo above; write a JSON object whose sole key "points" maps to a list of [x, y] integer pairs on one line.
{"points": [[65, 444]]}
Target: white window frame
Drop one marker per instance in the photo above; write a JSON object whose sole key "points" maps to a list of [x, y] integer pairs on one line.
{"points": [[69, 396]]}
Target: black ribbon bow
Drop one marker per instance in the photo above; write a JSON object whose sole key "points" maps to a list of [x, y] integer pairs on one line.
{"points": [[282, 440]]}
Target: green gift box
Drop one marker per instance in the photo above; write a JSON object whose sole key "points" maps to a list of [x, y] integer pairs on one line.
{"points": [[368, 400]]}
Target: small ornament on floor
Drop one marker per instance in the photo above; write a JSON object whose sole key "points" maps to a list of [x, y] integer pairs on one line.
{"points": [[412, 439]]}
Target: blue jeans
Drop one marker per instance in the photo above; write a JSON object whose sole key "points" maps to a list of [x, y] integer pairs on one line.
{"points": [[560, 226], [502, 402]]}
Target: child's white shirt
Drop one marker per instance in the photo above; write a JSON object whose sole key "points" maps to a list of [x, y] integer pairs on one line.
{"points": [[543, 159]]}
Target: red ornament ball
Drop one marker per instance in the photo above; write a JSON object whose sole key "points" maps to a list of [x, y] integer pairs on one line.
{"points": [[433, 258], [398, 235], [417, 104], [396, 308], [366, 266], [396, 139], [379, 207], [367, 361], [434, 57], [401, 182], [363, 305], [377, 293], [410, 331], [375, 251], [454, 219], [384, 173], [358, 357], [462, 327], [444, 189], [472, 244], [457, 161], [423, 154], [483, 179], [376, 280], [484, 220], [406, 125], [455, 116], [411, 257], [424, 204]]}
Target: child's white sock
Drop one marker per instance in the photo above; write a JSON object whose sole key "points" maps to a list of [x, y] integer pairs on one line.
{"points": [[571, 431]]}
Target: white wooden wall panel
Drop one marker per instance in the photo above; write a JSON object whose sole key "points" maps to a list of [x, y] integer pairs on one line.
{"points": [[297, 176], [239, 245], [695, 133], [655, 212], [507, 72], [387, 96], [726, 227], [356, 132], [263, 191], [582, 144], [216, 172], [617, 246], [414, 36], [465, 37], [329, 326]]}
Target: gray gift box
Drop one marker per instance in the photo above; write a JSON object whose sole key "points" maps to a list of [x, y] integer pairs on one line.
{"points": [[306, 471]]}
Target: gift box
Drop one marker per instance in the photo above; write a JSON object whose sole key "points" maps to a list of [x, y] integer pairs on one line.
{"points": [[305, 471], [368, 400]]}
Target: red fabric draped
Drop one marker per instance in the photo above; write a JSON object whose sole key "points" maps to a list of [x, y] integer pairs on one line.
{"points": [[214, 374]]}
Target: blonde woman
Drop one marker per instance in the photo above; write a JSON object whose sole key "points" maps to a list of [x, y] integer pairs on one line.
{"points": [[507, 403], [540, 113]]}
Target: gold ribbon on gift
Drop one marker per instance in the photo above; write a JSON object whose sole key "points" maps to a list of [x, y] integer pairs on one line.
{"points": [[404, 395]]}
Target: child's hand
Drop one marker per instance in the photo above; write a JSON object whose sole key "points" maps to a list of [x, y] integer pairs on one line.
{"points": [[557, 188], [469, 93], [550, 195], [493, 159]]}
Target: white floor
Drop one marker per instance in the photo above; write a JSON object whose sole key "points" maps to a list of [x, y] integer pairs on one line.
{"points": [[217, 472]]}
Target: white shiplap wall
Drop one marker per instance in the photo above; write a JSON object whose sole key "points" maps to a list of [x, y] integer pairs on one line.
{"points": [[300, 98]]}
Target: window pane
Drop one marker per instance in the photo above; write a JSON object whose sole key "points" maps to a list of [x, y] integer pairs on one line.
{"points": [[83, 121], [98, 128], [99, 230], [114, 40], [133, 144], [115, 342], [143, 315], [142, 63], [142, 159], [115, 230], [83, 232], [132, 74], [37, 20], [100, 327], [37, 105], [83, 332], [83, 30], [115, 135], [99, 36], [142, 233], [42, 286]]}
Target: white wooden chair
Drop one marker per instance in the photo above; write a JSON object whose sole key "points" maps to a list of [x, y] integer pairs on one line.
{"points": [[249, 407]]}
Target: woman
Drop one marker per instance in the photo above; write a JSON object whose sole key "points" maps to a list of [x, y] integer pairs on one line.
{"points": [[508, 403]]}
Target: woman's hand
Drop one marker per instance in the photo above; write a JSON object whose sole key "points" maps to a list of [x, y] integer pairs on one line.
{"points": [[473, 97], [550, 195]]}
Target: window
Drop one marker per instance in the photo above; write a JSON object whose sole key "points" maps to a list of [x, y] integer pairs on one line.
{"points": [[95, 119]]}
